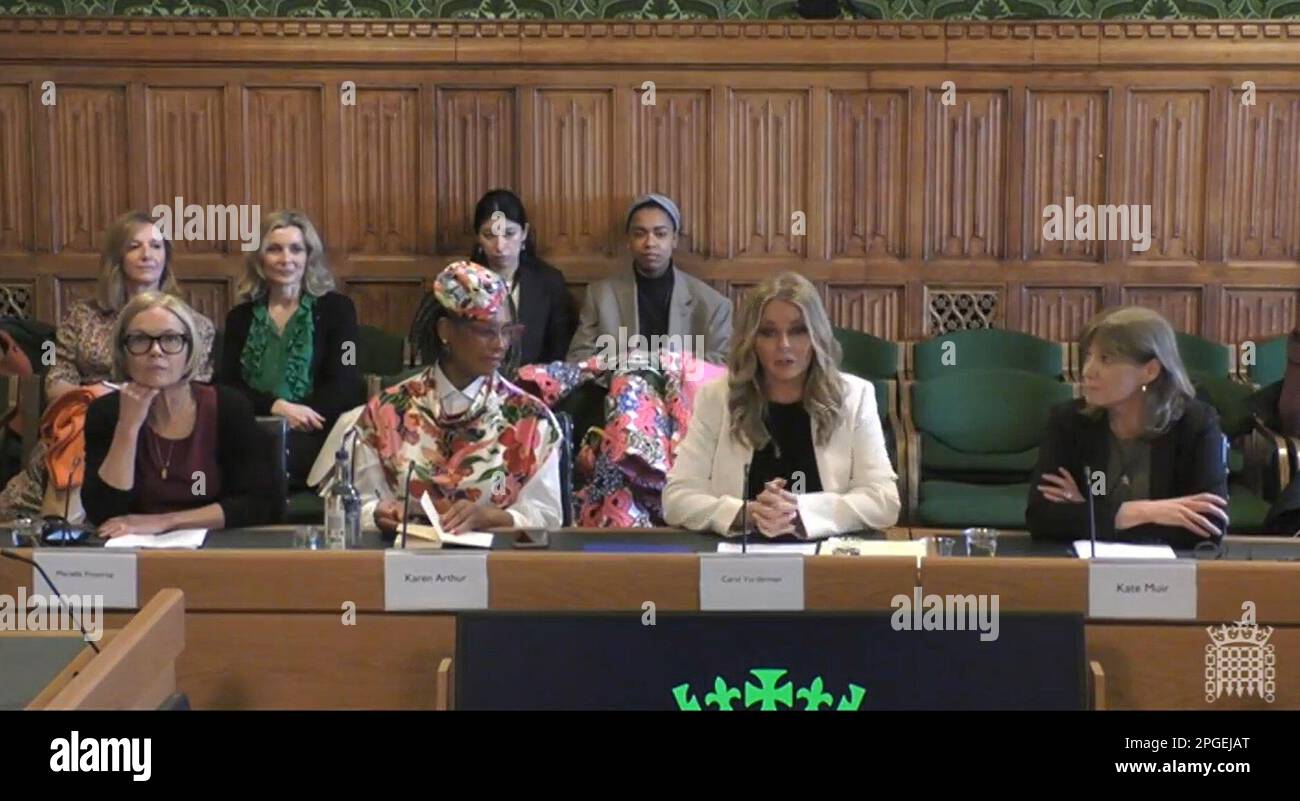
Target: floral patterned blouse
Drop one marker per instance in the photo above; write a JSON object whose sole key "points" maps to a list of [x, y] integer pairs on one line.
{"points": [[83, 350], [501, 451], [621, 469]]}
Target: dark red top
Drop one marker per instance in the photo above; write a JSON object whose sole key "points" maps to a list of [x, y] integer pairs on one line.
{"points": [[183, 458]]}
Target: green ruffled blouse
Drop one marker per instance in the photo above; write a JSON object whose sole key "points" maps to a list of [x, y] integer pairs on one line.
{"points": [[280, 364]]}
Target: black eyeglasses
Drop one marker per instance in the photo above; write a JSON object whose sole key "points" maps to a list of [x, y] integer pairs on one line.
{"points": [[140, 344]]}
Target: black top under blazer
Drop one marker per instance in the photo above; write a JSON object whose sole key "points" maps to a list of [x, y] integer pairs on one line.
{"points": [[1189, 458]]}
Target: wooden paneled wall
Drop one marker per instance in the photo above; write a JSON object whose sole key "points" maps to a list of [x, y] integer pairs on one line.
{"points": [[922, 200]]}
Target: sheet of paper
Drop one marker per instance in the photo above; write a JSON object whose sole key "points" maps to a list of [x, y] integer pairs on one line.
{"points": [[184, 538], [470, 539], [806, 548], [1123, 550]]}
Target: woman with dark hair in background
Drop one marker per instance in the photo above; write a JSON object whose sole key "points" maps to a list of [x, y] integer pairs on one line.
{"points": [[537, 289]]}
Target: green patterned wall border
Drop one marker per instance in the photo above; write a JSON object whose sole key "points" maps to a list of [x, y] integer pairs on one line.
{"points": [[660, 9]]}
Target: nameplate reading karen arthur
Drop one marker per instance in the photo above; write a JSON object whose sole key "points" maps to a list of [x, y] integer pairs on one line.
{"points": [[420, 580]]}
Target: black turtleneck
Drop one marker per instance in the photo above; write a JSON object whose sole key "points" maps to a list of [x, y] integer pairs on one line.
{"points": [[654, 296]]}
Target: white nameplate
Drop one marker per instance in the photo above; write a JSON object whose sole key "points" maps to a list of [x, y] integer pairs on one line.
{"points": [[1152, 590], [94, 572], [751, 582], [424, 580]]}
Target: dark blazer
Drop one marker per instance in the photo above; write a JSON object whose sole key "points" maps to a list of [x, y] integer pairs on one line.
{"points": [[546, 312], [245, 477], [1188, 458], [336, 387]]}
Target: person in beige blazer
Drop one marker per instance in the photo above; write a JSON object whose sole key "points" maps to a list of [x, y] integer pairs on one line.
{"points": [[785, 429], [654, 298]]}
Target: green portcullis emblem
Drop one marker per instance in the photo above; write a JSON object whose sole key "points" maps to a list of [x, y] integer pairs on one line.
{"points": [[768, 695]]}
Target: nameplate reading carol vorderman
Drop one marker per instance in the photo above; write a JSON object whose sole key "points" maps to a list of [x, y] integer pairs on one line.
{"points": [[751, 582], [422, 581]]}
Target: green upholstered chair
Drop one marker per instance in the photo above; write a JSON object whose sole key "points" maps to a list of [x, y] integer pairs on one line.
{"points": [[988, 349], [1269, 362], [973, 438], [1203, 356], [869, 356]]}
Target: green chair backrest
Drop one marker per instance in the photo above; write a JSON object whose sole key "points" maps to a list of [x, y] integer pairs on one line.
{"points": [[1230, 398], [1269, 361], [884, 389], [984, 420], [867, 356], [987, 349], [1204, 356], [378, 351]]}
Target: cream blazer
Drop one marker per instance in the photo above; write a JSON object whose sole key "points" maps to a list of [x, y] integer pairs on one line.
{"points": [[859, 487]]}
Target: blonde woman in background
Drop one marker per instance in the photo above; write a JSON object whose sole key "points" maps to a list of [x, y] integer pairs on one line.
{"points": [[290, 347]]}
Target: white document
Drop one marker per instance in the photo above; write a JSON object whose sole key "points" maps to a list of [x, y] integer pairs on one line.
{"points": [[751, 582], [806, 548], [415, 580], [183, 538], [1123, 550], [471, 539], [109, 576]]}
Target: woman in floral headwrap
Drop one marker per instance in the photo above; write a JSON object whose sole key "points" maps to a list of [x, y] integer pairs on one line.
{"points": [[485, 451]]}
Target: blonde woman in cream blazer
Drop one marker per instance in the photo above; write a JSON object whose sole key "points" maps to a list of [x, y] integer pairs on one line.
{"points": [[820, 467]]}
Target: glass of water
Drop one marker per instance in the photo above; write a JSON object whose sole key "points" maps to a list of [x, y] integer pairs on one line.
{"points": [[944, 545], [981, 541], [311, 538]]}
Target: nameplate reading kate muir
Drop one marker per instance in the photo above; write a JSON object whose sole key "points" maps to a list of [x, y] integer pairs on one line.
{"points": [[424, 580], [1147, 590], [108, 574], [751, 582]]}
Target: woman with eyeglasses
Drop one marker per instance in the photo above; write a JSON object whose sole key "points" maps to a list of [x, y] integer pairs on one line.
{"points": [[290, 347], [136, 258], [485, 451], [166, 452]]}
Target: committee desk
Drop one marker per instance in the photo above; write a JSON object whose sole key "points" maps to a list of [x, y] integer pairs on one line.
{"points": [[270, 625]]}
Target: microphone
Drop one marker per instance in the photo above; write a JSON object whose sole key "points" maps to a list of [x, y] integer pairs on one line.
{"points": [[5, 552], [67, 499], [59, 529], [1092, 516], [406, 500], [744, 514]]}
